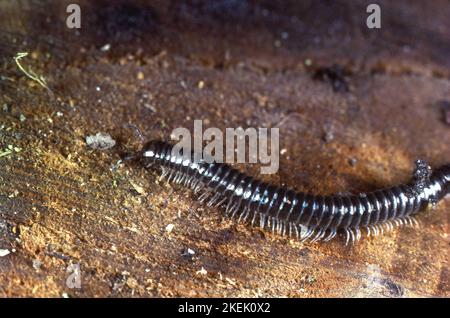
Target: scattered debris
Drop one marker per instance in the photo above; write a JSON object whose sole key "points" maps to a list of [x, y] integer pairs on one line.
{"points": [[100, 141], [22, 118], [9, 150], [5, 153], [169, 228], [262, 100], [140, 190], [336, 75], [37, 264], [50, 251], [120, 280], [202, 271], [188, 253], [307, 279], [14, 194], [328, 136], [105, 47], [116, 165], [191, 252], [32, 75], [230, 281], [150, 106], [3, 252]]}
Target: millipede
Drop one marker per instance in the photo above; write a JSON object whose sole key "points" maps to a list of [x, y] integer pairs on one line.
{"points": [[303, 215]]}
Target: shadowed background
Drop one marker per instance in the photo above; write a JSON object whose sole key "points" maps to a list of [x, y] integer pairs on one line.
{"points": [[355, 108]]}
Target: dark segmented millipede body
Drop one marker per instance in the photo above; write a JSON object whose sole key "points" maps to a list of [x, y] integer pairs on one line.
{"points": [[295, 213]]}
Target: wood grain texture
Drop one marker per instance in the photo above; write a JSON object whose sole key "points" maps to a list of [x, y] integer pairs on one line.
{"points": [[63, 203]]}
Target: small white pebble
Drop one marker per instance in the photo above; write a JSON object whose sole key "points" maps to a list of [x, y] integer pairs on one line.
{"points": [[202, 271], [169, 227], [100, 141], [37, 264], [190, 252], [137, 188], [4, 252], [283, 151], [105, 47]]}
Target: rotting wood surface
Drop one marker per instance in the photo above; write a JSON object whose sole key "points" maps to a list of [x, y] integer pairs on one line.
{"points": [[62, 203]]}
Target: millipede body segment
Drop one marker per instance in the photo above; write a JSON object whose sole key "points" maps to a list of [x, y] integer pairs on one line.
{"points": [[296, 213]]}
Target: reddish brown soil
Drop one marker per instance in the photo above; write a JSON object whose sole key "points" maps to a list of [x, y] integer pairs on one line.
{"points": [[262, 65]]}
